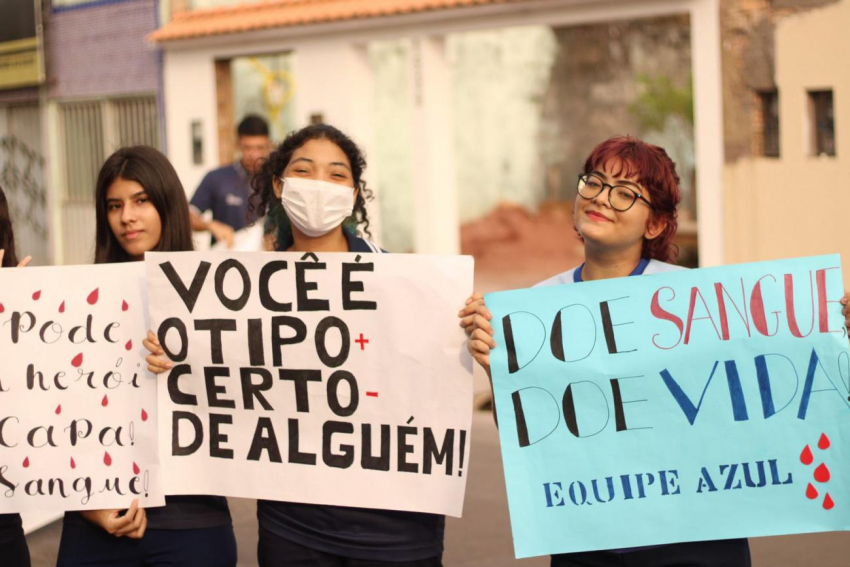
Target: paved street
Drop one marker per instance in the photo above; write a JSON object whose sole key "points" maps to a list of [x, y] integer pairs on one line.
{"points": [[483, 536]]}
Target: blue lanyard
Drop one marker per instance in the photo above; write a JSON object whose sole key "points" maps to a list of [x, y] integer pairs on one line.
{"points": [[639, 269]]}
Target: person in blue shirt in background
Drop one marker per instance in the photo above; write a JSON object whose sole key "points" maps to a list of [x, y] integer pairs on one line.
{"points": [[225, 191]]}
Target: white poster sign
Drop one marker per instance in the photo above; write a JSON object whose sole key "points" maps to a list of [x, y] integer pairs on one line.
{"points": [[324, 378], [78, 412]]}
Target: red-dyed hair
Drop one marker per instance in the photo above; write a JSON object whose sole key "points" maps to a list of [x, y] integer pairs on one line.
{"points": [[655, 171]]}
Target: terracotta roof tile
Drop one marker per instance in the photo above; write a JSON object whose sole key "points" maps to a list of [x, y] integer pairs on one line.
{"points": [[283, 13]]}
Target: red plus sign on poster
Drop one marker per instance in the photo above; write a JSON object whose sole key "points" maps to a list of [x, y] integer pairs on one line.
{"points": [[362, 342]]}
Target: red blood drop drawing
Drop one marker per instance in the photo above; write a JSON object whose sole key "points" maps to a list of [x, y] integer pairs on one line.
{"points": [[823, 442], [806, 456], [135, 468], [811, 492], [2, 309], [828, 504], [26, 462], [107, 460], [124, 306], [78, 360], [36, 296], [58, 409], [822, 473], [105, 401], [62, 307], [129, 345], [73, 464], [144, 415], [92, 298]]}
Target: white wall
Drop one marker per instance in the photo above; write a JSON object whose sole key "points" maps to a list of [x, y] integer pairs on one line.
{"points": [[332, 78], [190, 91], [797, 205], [255, 78]]}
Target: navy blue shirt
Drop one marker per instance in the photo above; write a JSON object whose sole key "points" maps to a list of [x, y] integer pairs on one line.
{"points": [[638, 271], [356, 533], [225, 191]]}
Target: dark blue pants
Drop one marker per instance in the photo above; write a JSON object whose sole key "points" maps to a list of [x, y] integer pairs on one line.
{"points": [[14, 552], [274, 551], [721, 553], [89, 545]]}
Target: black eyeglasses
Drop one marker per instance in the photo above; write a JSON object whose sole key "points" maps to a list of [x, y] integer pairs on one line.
{"points": [[620, 198]]}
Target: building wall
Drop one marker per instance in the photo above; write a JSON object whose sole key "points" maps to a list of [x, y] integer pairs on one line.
{"points": [[314, 61], [195, 68], [19, 96], [509, 129], [265, 86], [340, 51], [99, 50], [498, 81], [529, 103], [206, 4], [96, 57], [604, 83], [748, 54], [797, 204]]}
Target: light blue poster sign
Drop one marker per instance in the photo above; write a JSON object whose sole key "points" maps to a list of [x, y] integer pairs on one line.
{"points": [[686, 406]]}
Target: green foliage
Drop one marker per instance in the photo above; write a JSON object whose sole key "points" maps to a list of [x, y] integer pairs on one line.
{"points": [[659, 99]]}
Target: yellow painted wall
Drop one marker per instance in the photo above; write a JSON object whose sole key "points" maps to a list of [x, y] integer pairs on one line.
{"points": [[798, 204]]}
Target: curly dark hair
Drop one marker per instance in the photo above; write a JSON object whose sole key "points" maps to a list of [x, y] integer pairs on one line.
{"points": [[264, 202]]}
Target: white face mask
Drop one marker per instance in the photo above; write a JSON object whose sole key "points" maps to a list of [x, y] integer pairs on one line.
{"points": [[316, 207]]}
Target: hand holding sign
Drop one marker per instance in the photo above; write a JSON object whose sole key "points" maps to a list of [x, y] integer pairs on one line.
{"points": [[22, 264], [677, 403], [296, 366], [156, 363], [131, 523], [475, 320]]}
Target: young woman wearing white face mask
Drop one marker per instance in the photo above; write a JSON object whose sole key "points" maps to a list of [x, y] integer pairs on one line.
{"points": [[312, 193]]}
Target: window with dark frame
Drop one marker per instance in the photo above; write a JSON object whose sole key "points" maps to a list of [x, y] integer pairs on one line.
{"points": [[770, 123], [822, 121]]}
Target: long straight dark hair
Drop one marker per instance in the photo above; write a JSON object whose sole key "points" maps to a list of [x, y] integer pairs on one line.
{"points": [[152, 170], [7, 237]]}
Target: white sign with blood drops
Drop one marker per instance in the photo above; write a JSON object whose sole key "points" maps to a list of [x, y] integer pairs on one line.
{"points": [[323, 378], [78, 412]]}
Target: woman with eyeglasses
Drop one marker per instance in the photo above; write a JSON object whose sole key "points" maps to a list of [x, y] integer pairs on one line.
{"points": [[625, 214]]}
